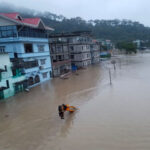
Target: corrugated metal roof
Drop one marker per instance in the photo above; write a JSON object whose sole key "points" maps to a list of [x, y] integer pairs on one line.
{"points": [[34, 22]]}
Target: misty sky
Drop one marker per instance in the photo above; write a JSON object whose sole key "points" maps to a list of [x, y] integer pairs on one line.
{"points": [[136, 10]]}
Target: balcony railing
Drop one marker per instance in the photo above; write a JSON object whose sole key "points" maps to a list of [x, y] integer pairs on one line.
{"points": [[3, 70], [61, 62]]}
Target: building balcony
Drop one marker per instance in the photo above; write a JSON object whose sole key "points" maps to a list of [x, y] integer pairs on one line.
{"points": [[61, 62], [78, 51], [3, 69], [46, 69], [38, 54], [80, 42], [23, 39], [17, 63], [81, 59], [4, 85], [59, 53], [18, 79], [29, 70], [94, 50]]}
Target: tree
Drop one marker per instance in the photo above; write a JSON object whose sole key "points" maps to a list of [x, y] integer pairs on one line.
{"points": [[129, 47], [114, 30]]}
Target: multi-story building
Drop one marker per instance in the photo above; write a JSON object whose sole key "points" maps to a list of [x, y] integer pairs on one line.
{"points": [[10, 83], [60, 55], [95, 52], [79, 47], [26, 42], [106, 45]]}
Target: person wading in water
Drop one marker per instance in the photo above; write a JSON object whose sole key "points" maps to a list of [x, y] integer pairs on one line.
{"points": [[65, 107]]}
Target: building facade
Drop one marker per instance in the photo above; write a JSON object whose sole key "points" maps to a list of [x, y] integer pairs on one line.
{"points": [[26, 42], [60, 55], [75, 49], [79, 47], [95, 52], [10, 83]]}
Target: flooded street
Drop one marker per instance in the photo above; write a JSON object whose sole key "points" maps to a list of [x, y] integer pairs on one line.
{"points": [[110, 117]]}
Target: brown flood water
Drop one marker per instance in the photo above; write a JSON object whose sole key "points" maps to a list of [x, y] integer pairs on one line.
{"points": [[115, 117]]}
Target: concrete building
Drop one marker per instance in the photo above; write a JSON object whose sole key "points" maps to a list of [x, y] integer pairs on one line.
{"points": [[60, 55], [10, 84], [107, 44], [95, 52], [138, 43], [26, 42], [79, 47]]}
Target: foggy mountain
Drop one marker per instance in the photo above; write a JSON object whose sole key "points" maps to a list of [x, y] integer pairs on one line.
{"points": [[115, 30]]}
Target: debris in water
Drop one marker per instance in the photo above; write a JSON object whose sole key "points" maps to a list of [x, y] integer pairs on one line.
{"points": [[27, 90], [6, 116]]}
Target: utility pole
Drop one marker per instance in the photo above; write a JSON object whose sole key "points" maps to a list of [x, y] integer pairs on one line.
{"points": [[114, 63], [120, 63], [110, 76], [108, 67]]}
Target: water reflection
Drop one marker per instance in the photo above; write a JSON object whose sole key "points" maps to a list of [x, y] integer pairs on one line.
{"points": [[68, 123], [110, 117]]}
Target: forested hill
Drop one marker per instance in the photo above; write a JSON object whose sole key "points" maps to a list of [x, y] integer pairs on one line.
{"points": [[115, 30]]}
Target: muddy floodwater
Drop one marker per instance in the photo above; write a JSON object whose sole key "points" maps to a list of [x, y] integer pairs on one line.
{"points": [[109, 117]]}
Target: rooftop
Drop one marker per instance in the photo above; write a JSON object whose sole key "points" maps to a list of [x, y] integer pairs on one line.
{"points": [[71, 34], [32, 22]]}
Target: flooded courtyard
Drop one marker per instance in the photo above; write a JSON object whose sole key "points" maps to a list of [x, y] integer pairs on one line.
{"points": [[109, 117]]}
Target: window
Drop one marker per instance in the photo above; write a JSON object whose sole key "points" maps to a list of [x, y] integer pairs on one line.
{"points": [[88, 55], [30, 81], [65, 48], [42, 61], [44, 75], [71, 48], [52, 48], [41, 48], [66, 57], [84, 64], [70, 40], [2, 49], [28, 48], [30, 64], [8, 31], [58, 49], [50, 73], [59, 57], [1, 95], [87, 47], [72, 56], [15, 55], [37, 79], [82, 47], [31, 32], [0, 76], [14, 72]]}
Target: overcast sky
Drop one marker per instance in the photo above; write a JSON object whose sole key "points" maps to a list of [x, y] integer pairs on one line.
{"points": [[136, 10]]}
